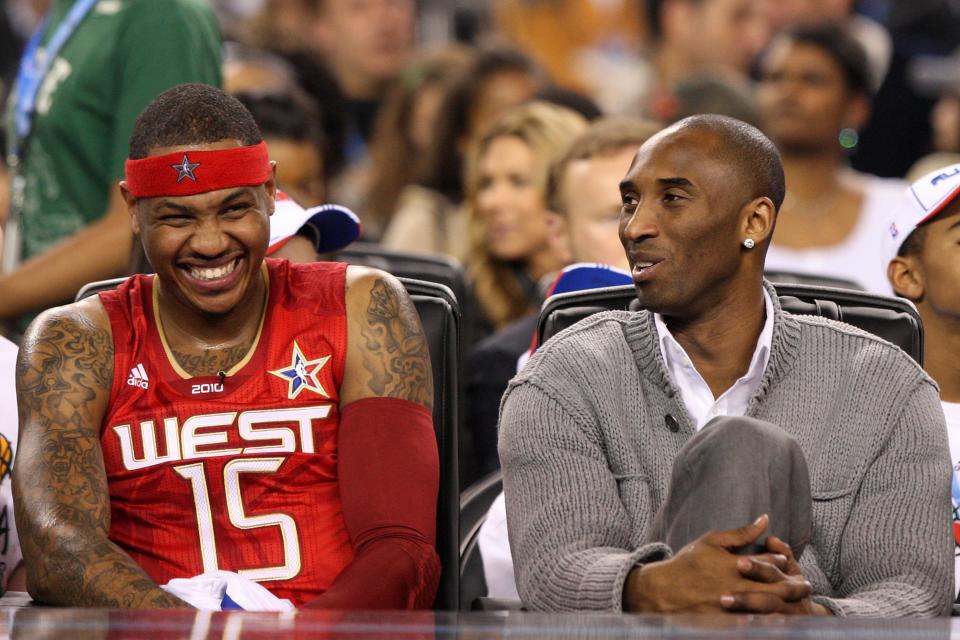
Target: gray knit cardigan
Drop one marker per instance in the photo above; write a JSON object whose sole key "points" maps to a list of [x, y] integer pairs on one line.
{"points": [[587, 456]]}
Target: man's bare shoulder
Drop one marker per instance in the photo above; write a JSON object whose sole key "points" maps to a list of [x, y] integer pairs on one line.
{"points": [[383, 328], [74, 336]]}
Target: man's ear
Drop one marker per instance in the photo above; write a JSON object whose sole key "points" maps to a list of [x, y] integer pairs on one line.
{"points": [[558, 236], [131, 201], [759, 220], [906, 277]]}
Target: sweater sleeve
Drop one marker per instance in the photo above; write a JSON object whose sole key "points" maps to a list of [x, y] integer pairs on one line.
{"points": [[570, 534], [896, 555]]}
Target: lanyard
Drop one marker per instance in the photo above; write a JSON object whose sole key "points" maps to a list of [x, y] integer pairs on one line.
{"points": [[33, 67]]}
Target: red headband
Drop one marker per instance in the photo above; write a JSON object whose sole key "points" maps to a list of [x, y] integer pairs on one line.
{"points": [[185, 173]]}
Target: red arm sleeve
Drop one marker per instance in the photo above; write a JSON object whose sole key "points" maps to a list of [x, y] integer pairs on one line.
{"points": [[389, 475]]}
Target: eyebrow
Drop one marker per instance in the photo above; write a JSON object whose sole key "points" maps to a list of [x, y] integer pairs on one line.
{"points": [[677, 181], [674, 182]]}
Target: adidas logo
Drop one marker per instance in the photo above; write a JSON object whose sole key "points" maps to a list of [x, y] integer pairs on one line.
{"points": [[138, 377]]}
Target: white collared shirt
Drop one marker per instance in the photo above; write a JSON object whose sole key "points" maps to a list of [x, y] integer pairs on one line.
{"points": [[696, 394]]}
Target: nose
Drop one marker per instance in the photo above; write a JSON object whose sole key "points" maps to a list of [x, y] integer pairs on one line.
{"points": [[493, 199], [209, 240], [639, 225]]}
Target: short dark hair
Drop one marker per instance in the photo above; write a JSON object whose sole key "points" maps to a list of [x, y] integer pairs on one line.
{"points": [[604, 137], [837, 42], [913, 243], [191, 114], [755, 157]]}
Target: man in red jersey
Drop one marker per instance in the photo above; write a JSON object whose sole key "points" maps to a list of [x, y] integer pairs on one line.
{"points": [[230, 413]]}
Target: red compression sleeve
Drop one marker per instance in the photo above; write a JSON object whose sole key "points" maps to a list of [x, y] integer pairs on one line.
{"points": [[389, 474]]}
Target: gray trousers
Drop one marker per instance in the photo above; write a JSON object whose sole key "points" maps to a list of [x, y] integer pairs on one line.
{"points": [[729, 474]]}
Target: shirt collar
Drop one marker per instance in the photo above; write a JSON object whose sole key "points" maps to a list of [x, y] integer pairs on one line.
{"points": [[674, 354]]}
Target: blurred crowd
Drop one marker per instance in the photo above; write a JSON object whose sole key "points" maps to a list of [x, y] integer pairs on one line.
{"points": [[443, 124]]}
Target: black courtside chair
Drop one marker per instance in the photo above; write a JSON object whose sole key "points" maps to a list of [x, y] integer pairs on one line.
{"points": [[432, 268], [441, 319], [893, 319]]}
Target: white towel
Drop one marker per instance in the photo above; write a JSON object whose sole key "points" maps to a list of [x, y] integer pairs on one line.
{"points": [[208, 590]]}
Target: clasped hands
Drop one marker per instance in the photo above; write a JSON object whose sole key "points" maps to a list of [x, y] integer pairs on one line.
{"points": [[706, 576]]}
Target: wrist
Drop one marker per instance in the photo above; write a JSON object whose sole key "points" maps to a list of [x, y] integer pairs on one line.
{"points": [[638, 591]]}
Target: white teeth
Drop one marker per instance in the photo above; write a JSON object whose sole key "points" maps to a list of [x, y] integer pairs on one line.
{"points": [[644, 265], [214, 273]]}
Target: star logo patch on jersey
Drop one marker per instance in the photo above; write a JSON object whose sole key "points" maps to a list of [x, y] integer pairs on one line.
{"points": [[302, 374], [185, 169]]}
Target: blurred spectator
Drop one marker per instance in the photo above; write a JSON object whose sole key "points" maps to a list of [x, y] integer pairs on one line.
{"points": [[814, 96], [289, 124], [247, 68], [73, 118], [365, 45], [585, 45], [570, 99], [506, 183], [720, 94], [871, 35], [583, 199], [697, 36], [405, 131], [497, 79]]}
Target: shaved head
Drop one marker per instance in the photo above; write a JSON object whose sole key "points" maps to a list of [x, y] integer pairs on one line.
{"points": [[744, 149]]}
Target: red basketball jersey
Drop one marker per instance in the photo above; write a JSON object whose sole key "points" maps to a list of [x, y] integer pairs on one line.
{"points": [[238, 473]]}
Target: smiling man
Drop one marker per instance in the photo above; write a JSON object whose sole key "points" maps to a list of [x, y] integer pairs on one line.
{"points": [[228, 414], [713, 453]]}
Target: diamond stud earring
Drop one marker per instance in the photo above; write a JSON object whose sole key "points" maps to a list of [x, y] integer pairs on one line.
{"points": [[748, 243]]}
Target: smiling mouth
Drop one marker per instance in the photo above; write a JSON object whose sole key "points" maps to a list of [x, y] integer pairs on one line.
{"points": [[212, 274], [643, 269]]}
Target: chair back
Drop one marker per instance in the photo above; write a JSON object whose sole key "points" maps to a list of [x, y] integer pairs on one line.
{"points": [[893, 319], [432, 268]]}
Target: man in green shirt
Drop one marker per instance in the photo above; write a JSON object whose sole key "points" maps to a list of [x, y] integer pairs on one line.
{"points": [[68, 224]]}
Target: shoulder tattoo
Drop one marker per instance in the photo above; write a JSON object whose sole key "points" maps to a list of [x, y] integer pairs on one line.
{"points": [[396, 357]]}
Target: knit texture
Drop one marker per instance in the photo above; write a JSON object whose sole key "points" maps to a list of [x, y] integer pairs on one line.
{"points": [[587, 457]]}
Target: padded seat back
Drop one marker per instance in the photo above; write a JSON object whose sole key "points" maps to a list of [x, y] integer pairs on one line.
{"points": [[432, 268], [893, 319]]}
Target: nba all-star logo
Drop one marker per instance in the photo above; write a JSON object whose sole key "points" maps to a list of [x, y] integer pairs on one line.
{"points": [[302, 373], [185, 169]]}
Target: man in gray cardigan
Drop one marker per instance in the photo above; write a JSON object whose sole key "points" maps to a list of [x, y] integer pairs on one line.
{"points": [[683, 457]]}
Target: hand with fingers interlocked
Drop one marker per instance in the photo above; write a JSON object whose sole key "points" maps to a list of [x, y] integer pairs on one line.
{"points": [[707, 576]]}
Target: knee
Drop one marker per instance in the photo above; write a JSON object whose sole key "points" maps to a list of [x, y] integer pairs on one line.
{"points": [[743, 434]]}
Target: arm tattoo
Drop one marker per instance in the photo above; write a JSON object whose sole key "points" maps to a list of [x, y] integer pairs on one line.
{"points": [[64, 373], [213, 361], [396, 358]]}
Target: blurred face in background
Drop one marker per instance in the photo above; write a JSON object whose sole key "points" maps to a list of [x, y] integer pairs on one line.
{"points": [[591, 201], [367, 42], [720, 33], [510, 200], [804, 99]]}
